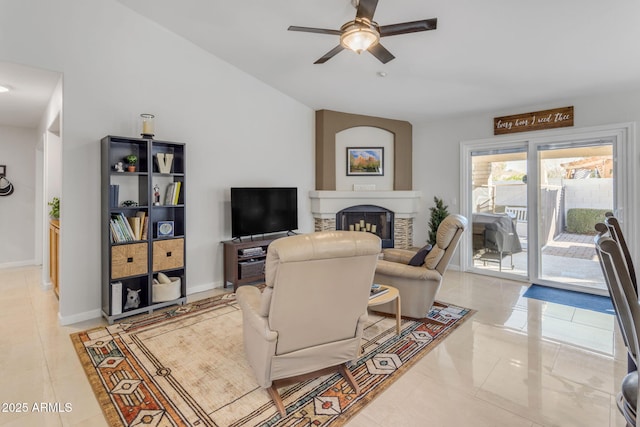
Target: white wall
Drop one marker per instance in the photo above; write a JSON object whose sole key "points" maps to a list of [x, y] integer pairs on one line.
{"points": [[238, 130], [436, 146], [17, 211], [510, 193], [588, 193]]}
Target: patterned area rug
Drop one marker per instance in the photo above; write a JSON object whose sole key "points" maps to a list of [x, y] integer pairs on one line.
{"points": [[185, 366]]}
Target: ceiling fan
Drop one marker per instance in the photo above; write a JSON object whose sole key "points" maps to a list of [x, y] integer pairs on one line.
{"points": [[364, 34]]}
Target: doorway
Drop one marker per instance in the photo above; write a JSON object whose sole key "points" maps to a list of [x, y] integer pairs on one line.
{"points": [[533, 204], [30, 123]]}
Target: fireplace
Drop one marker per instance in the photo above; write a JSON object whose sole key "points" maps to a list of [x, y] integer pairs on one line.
{"points": [[325, 205], [368, 218]]}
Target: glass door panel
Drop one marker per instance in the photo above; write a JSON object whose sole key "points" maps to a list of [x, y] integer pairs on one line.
{"points": [[576, 188], [499, 210]]}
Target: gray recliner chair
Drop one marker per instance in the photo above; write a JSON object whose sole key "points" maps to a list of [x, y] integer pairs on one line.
{"points": [[418, 285], [309, 319]]}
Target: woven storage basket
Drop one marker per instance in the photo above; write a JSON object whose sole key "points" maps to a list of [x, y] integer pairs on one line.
{"points": [[168, 254], [167, 291], [128, 260]]}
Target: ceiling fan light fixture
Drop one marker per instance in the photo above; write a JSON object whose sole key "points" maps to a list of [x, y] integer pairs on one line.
{"points": [[359, 36]]}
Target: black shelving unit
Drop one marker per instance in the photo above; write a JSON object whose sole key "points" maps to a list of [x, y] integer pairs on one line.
{"points": [[131, 266]]}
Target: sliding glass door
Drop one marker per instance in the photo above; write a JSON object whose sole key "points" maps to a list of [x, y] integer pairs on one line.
{"points": [[533, 204], [576, 189], [499, 210]]}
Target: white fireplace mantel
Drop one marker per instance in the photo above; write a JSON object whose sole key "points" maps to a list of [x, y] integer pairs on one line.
{"points": [[325, 204]]}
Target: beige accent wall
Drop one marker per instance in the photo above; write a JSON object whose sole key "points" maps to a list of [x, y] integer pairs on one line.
{"points": [[328, 123]]}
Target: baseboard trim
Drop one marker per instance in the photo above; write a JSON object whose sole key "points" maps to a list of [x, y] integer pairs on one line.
{"points": [[79, 317], [14, 264], [203, 288], [92, 314]]}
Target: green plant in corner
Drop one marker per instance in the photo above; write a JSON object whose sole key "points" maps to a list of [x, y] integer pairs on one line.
{"points": [[438, 213], [55, 208]]}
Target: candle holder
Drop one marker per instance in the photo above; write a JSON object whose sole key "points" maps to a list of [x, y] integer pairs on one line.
{"points": [[147, 125]]}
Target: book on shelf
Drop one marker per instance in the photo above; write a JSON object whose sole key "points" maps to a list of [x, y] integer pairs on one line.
{"points": [[176, 192], [114, 232], [116, 298], [113, 195], [377, 290], [145, 228], [173, 193], [127, 229], [136, 226], [120, 231], [142, 215], [168, 198]]}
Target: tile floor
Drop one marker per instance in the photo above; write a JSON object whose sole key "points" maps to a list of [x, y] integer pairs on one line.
{"points": [[517, 362]]}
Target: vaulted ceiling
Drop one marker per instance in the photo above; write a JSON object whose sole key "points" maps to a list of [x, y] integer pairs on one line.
{"points": [[484, 56]]}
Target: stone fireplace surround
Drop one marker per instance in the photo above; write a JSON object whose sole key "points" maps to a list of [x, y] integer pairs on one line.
{"points": [[326, 201], [326, 204]]}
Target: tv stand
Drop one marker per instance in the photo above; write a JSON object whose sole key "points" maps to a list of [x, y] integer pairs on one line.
{"points": [[252, 238], [244, 262]]}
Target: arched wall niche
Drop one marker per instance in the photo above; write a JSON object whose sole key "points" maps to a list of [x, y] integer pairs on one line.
{"points": [[361, 137], [328, 123]]}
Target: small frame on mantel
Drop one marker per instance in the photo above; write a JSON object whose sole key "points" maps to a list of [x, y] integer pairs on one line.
{"points": [[367, 161]]}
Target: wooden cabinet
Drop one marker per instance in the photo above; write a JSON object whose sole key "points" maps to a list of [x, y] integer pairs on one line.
{"points": [[143, 224], [244, 262], [54, 250]]}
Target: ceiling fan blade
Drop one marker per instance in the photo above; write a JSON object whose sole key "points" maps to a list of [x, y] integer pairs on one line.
{"points": [[327, 56], [381, 53], [315, 30], [366, 9], [409, 27]]}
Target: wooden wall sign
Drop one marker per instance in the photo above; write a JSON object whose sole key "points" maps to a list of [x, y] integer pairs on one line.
{"points": [[538, 120]]}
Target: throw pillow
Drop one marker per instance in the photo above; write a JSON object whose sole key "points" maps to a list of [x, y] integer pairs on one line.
{"points": [[418, 258]]}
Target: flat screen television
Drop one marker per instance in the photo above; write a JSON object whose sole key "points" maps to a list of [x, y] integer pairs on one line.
{"points": [[262, 210]]}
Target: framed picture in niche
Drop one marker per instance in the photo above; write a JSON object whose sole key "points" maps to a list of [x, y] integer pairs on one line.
{"points": [[365, 161]]}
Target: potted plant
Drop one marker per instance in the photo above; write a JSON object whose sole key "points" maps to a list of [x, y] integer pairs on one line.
{"points": [[54, 213], [131, 159], [438, 214]]}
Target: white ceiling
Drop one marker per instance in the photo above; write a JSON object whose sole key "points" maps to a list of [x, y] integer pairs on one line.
{"points": [[486, 55], [31, 90]]}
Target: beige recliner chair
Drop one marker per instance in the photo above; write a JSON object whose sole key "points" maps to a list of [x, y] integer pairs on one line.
{"points": [[309, 319], [418, 285]]}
